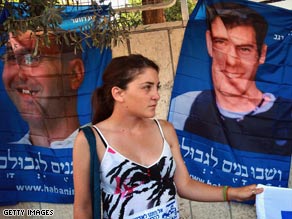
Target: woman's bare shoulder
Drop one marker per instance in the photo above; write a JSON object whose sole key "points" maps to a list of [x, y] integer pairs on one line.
{"points": [[165, 124], [169, 131]]}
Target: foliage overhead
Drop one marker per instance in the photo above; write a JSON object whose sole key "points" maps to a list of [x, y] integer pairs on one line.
{"points": [[174, 13], [106, 28], [171, 14]]}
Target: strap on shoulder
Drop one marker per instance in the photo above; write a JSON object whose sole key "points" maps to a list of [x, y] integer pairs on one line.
{"points": [[94, 172], [101, 136]]}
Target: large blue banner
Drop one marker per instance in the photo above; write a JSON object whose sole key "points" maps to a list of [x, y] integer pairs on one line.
{"points": [[45, 96], [231, 102]]}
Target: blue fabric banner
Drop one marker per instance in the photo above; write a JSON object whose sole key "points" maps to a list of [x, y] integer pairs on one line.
{"points": [[44, 99], [231, 103], [83, 16]]}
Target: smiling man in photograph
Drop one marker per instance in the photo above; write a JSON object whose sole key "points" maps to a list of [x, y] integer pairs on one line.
{"points": [[43, 84]]}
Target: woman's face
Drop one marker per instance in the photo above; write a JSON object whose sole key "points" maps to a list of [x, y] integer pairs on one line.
{"points": [[141, 96]]}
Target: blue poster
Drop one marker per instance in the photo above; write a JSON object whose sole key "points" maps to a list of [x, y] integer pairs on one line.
{"points": [[231, 103], [45, 96]]}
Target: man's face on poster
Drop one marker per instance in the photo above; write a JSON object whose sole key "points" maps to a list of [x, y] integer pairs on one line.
{"points": [[235, 57], [34, 82]]}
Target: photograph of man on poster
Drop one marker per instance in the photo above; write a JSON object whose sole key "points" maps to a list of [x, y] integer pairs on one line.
{"points": [[43, 84], [236, 112]]}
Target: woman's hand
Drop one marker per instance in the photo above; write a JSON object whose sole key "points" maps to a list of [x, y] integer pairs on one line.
{"points": [[244, 193]]}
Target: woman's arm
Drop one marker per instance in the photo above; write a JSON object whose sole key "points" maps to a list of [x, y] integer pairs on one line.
{"points": [[81, 178], [195, 190]]}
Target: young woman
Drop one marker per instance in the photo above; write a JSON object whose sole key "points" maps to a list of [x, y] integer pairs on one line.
{"points": [[141, 167]]}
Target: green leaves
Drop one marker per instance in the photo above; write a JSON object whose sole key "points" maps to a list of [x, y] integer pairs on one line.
{"points": [[46, 16]]}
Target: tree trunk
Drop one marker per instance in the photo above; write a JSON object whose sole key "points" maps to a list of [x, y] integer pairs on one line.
{"points": [[152, 16]]}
